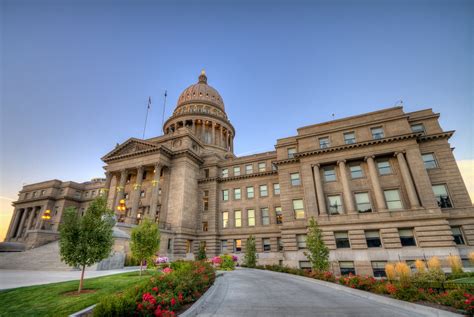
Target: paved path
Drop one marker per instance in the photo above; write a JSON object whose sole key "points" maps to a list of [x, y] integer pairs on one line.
{"points": [[17, 278], [246, 292]]}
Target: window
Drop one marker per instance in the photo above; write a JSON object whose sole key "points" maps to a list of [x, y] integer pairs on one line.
{"points": [[335, 204], [279, 244], [225, 195], [349, 138], [274, 167], [265, 216], [363, 202], [237, 245], [324, 143], [251, 217], [384, 167], [263, 190], [429, 160], [248, 169], [237, 171], [224, 246], [262, 167], [442, 197], [250, 192], [189, 244], [237, 194], [206, 173], [457, 235], [295, 179], [279, 215], [378, 268], [291, 152], [225, 172], [298, 208], [407, 238], [77, 194], [276, 189], [126, 196], [93, 193], [142, 194], [225, 219], [170, 244], [86, 194], [377, 133], [347, 267], [356, 171], [205, 200], [238, 218], [266, 245], [26, 194], [205, 226], [329, 174], [305, 265], [418, 127], [373, 239], [42, 192], [342, 240], [392, 198], [301, 241]]}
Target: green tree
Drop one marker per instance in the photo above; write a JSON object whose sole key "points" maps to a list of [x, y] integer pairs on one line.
{"points": [[86, 240], [318, 253], [250, 258], [201, 252], [145, 241]]}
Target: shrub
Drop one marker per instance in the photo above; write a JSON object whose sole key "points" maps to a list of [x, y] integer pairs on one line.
{"points": [[390, 271], [455, 264], [403, 273], [250, 258], [471, 257], [434, 264], [408, 293], [359, 282], [228, 263], [202, 252], [420, 266]]}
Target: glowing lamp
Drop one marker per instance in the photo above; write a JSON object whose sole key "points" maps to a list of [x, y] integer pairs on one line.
{"points": [[46, 215]]}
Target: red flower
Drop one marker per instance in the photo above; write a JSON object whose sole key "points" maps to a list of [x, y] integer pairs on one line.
{"points": [[155, 289], [173, 301], [140, 306], [180, 297]]}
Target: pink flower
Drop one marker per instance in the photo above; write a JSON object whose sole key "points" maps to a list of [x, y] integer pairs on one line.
{"points": [[167, 270]]}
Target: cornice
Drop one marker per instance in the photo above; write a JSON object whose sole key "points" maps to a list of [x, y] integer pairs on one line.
{"points": [[442, 135]]}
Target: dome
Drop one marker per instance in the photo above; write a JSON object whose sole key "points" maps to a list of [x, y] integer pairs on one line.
{"points": [[201, 92]]}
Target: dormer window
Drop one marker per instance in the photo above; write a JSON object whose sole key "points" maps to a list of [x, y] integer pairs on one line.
{"points": [[418, 128], [377, 133], [324, 143]]}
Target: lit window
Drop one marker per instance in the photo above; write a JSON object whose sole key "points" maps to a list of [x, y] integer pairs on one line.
{"points": [[225, 172], [276, 189], [392, 198], [442, 197], [356, 171], [224, 246], [251, 217], [417, 128], [347, 267], [342, 240], [373, 239], [377, 133], [384, 167], [262, 167], [335, 204], [407, 238], [237, 171], [349, 138], [298, 208], [205, 226], [295, 179], [378, 268], [291, 152], [248, 169], [225, 195], [457, 235], [237, 245], [301, 241], [329, 174], [279, 215], [363, 202], [263, 190], [238, 218], [266, 244], [324, 143], [237, 194], [265, 216], [250, 192], [225, 219], [429, 161]]}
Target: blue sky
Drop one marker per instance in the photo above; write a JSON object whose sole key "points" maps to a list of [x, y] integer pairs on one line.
{"points": [[76, 75]]}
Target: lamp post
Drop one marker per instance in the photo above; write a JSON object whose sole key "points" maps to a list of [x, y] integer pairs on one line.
{"points": [[46, 216]]}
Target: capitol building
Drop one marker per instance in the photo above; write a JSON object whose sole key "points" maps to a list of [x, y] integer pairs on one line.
{"points": [[384, 186]]}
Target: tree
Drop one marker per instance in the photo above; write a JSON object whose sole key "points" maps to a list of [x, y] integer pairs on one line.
{"points": [[202, 251], [318, 253], [86, 240], [250, 258], [145, 241]]}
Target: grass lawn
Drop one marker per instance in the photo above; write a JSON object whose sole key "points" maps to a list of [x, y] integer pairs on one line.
{"points": [[49, 300], [464, 280]]}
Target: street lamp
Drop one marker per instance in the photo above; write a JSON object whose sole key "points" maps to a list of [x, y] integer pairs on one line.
{"points": [[46, 215], [121, 208]]}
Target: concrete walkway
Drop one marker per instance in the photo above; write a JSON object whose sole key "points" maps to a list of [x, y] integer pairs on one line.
{"points": [[20, 278], [246, 292]]}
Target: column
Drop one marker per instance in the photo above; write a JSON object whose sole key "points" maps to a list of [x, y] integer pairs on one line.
{"points": [[374, 179], [105, 191], [155, 191], [137, 188], [16, 219], [407, 180], [221, 136], [231, 143], [319, 190], [121, 187], [22, 222], [346, 188], [30, 220], [213, 140], [420, 178]]}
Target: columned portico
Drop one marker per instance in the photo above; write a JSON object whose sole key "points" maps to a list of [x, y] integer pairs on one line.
{"points": [[319, 190], [374, 179], [407, 180], [155, 191], [136, 193], [346, 187], [121, 187]]}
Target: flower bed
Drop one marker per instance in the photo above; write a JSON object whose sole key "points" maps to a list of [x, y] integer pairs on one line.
{"points": [[224, 262], [164, 294]]}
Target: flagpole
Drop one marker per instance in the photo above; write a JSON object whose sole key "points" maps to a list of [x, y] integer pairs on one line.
{"points": [[164, 106], [146, 117]]}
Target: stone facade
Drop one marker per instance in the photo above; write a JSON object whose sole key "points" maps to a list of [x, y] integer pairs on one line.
{"points": [[384, 186]]}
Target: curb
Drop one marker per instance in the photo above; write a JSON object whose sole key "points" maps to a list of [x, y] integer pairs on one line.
{"points": [[196, 308], [416, 308], [83, 313]]}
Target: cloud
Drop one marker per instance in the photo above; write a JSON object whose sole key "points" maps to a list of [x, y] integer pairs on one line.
{"points": [[467, 171], [6, 211]]}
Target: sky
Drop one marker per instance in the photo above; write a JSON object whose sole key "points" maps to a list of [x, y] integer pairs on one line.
{"points": [[75, 76]]}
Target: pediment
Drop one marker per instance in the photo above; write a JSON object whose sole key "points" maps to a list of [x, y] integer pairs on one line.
{"points": [[130, 147]]}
